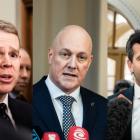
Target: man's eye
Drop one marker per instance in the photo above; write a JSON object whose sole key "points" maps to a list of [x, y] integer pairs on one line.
{"points": [[82, 58], [14, 55], [138, 58], [21, 67], [28, 68], [64, 55], [1, 53]]}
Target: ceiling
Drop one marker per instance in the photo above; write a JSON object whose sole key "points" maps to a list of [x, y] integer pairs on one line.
{"points": [[130, 9]]}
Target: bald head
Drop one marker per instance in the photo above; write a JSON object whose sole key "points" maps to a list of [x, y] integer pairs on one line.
{"points": [[73, 33], [70, 58]]}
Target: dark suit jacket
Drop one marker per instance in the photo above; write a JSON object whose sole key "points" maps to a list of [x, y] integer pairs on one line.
{"points": [[22, 113], [8, 133], [45, 118], [129, 94]]}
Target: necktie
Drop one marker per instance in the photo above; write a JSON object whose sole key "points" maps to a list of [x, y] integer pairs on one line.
{"points": [[3, 114], [68, 119]]}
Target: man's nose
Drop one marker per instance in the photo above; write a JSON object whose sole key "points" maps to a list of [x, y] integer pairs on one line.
{"points": [[6, 62], [24, 73], [72, 63]]}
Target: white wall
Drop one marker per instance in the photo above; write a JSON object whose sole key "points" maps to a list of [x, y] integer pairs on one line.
{"points": [[8, 10]]}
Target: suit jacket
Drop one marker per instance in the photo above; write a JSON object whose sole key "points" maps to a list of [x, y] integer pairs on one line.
{"points": [[21, 112], [129, 94], [8, 133], [45, 118]]}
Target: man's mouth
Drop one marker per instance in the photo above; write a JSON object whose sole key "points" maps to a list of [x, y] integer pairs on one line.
{"points": [[70, 74], [6, 78], [22, 84]]}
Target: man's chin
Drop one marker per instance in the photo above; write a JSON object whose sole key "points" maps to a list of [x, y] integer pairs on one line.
{"points": [[19, 89], [69, 89], [5, 91]]}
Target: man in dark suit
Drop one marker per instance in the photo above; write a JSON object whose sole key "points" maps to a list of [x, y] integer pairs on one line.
{"points": [[69, 57], [133, 93], [16, 113]]}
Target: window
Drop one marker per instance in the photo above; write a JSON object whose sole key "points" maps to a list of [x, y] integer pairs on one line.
{"points": [[119, 30], [111, 70]]}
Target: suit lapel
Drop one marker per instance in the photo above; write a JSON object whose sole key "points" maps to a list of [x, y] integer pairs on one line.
{"points": [[13, 109], [89, 111], [129, 93], [43, 105]]}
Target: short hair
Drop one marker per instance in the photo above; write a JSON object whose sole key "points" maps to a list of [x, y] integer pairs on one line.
{"points": [[8, 28], [134, 38]]}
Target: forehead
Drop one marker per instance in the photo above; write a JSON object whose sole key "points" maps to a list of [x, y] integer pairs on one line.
{"points": [[74, 50], [24, 57], [75, 41], [23, 53], [136, 48], [9, 40], [10, 49]]}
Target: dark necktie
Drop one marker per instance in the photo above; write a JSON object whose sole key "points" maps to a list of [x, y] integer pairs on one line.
{"points": [[3, 114], [68, 119]]}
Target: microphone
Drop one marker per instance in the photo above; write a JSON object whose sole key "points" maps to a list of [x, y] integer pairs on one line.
{"points": [[118, 119], [50, 136], [35, 135], [78, 133]]}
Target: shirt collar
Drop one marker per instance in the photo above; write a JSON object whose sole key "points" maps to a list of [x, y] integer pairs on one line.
{"points": [[5, 100], [137, 91], [56, 92]]}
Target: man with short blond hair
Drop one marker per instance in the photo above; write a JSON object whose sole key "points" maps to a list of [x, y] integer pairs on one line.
{"points": [[133, 93], [17, 113]]}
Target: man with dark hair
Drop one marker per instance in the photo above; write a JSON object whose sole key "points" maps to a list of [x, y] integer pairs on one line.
{"points": [[16, 113], [133, 93]]}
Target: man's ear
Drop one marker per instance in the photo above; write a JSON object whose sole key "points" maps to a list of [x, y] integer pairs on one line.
{"points": [[50, 54], [91, 59], [130, 65]]}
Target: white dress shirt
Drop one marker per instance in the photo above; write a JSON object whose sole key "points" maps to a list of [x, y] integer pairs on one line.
{"points": [[136, 114], [77, 106], [8, 110]]}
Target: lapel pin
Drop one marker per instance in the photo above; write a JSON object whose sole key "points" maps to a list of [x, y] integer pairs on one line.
{"points": [[92, 104]]}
